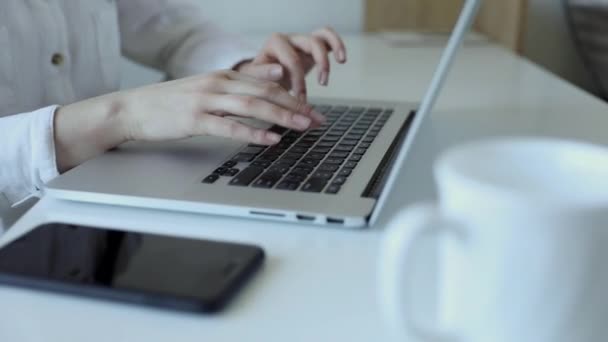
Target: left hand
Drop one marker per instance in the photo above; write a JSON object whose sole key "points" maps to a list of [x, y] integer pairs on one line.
{"points": [[287, 59]]}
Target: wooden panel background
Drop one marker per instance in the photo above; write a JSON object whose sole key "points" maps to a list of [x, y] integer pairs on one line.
{"points": [[501, 20]]}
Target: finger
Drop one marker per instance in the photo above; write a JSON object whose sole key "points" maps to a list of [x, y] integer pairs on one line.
{"points": [[318, 49], [223, 127], [270, 72], [286, 54], [251, 106], [271, 92], [335, 42]]}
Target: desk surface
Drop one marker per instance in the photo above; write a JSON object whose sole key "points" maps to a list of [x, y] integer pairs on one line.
{"points": [[319, 284]]}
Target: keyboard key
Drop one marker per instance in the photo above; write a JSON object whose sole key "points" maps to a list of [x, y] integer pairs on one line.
{"points": [[298, 150], [282, 169], [364, 145], [374, 110], [357, 110], [368, 139], [343, 148], [314, 185], [295, 156], [283, 145], [333, 189], [304, 144], [309, 162], [253, 150], [338, 155], [232, 172], [328, 167], [243, 157], [331, 138], [220, 171], [306, 168], [350, 164], [268, 179], [316, 156], [359, 151], [288, 162], [339, 180], [323, 174], [326, 144], [246, 176], [348, 142], [211, 179], [229, 164], [295, 178], [276, 150], [301, 172], [287, 185], [261, 163], [345, 172], [335, 161], [268, 157], [265, 183], [321, 150]]}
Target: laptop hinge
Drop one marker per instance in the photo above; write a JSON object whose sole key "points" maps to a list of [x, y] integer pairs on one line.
{"points": [[378, 180]]}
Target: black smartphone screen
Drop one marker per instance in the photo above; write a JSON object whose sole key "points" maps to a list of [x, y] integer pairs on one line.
{"points": [[162, 271]]}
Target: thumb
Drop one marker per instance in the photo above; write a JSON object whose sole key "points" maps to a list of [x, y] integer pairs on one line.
{"points": [[268, 72]]}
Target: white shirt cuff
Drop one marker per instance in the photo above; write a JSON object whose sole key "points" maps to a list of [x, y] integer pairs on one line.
{"points": [[40, 165]]}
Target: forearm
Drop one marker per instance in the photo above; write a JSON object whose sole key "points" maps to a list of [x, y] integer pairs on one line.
{"points": [[86, 129]]}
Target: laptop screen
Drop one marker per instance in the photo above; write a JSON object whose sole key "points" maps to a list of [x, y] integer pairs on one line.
{"points": [[463, 25]]}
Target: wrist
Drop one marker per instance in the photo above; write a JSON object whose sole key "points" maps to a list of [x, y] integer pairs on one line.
{"points": [[86, 129]]}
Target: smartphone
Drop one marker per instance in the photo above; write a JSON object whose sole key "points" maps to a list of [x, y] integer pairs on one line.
{"points": [[153, 270]]}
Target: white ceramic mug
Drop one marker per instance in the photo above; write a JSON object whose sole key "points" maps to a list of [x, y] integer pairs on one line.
{"points": [[523, 232]]}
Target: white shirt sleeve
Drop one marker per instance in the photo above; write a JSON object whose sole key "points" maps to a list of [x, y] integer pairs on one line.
{"points": [[27, 153], [174, 36]]}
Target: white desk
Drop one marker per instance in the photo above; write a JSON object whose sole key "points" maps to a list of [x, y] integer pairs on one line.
{"points": [[318, 284]]}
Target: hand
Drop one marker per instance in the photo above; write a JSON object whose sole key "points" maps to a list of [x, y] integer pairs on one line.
{"points": [[193, 106], [288, 58]]}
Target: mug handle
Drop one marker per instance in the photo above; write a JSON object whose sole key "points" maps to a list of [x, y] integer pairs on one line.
{"points": [[397, 257]]}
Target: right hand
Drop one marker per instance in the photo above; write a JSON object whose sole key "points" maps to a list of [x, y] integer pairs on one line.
{"points": [[201, 105], [194, 106]]}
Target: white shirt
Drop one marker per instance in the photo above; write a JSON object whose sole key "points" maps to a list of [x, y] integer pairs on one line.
{"points": [[56, 52]]}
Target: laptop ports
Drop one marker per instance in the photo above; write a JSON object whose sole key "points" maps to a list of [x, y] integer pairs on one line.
{"points": [[306, 218], [332, 220]]}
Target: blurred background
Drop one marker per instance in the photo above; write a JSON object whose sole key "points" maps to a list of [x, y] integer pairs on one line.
{"points": [[535, 29]]}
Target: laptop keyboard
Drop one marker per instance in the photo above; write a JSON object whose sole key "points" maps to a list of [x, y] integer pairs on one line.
{"points": [[317, 160]]}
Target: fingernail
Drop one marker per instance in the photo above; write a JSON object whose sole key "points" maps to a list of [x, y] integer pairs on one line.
{"points": [[318, 116], [301, 121], [273, 137], [323, 78], [276, 72], [342, 56]]}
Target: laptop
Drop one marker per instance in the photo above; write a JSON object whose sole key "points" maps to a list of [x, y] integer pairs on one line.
{"points": [[339, 174]]}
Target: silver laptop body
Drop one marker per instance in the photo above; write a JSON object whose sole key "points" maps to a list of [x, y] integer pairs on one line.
{"points": [[339, 175]]}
